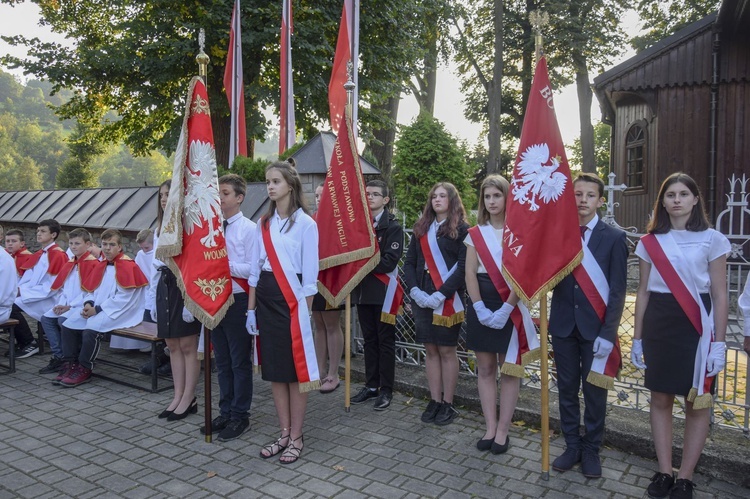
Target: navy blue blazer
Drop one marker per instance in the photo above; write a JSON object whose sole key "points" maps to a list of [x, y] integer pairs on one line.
{"points": [[571, 308]]}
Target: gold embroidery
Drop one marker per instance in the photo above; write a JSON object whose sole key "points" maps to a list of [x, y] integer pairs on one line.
{"points": [[200, 106], [212, 288]]}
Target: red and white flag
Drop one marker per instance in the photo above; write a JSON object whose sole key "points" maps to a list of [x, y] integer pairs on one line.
{"points": [[234, 89], [287, 125], [347, 49], [542, 240], [349, 250], [192, 241]]}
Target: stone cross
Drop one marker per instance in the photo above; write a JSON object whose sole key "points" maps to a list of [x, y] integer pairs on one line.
{"points": [[611, 188]]}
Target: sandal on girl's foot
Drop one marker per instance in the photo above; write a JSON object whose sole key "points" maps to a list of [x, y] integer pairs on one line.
{"points": [[292, 452], [275, 447]]}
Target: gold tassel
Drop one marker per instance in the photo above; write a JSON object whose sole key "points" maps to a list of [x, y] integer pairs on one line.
{"points": [[441, 320], [601, 380], [309, 386], [692, 394], [387, 318], [512, 370], [702, 401], [531, 356], [256, 369], [547, 286]]}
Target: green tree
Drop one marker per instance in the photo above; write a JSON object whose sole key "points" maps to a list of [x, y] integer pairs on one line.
{"points": [[426, 154], [78, 171], [117, 167], [601, 151], [661, 19]]}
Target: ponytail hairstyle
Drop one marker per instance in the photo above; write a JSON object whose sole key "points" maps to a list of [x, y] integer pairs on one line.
{"points": [[456, 213], [499, 183], [288, 170]]}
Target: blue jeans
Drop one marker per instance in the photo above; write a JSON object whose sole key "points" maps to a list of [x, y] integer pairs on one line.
{"points": [[52, 331], [233, 348]]}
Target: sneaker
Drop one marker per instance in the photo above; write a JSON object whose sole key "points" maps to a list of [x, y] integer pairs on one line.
{"points": [[446, 414], [428, 416], [234, 429], [683, 489], [27, 350], [218, 424], [660, 485], [364, 395], [63, 372], [77, 376], [145, 349], [55, 363]]}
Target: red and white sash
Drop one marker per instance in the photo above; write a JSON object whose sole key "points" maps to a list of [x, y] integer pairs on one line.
{"points": [[303, 349], [394, 296], [524, 344], [595, 287], [668, 261], [451, 312]]}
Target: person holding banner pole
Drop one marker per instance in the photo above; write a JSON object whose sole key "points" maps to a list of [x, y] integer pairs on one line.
{"points": [[495, 337], [283, 281], [434, 275], [681, 314]]}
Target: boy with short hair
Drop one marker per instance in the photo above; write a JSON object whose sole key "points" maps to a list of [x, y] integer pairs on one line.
{"points": [[114, 300], [15, 245], [35, 296], [583, 335], [70, 299], [233, 347]]}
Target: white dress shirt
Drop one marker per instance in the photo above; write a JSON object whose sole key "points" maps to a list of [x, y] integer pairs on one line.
{"points": [[240, 236]]}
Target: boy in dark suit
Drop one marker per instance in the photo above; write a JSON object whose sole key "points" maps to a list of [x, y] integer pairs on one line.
{"points": [[379, 336], [582, 334]]}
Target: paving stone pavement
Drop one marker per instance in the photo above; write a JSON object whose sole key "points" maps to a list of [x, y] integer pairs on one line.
{"points": [[103, 440]]}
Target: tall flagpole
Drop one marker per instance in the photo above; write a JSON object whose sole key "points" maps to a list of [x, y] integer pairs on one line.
{"points": [[349, 86], [539, 19]]}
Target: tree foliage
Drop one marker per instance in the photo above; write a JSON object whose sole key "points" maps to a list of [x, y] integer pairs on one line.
{"points": [[602, 133], [663, 18], [426, 154]]}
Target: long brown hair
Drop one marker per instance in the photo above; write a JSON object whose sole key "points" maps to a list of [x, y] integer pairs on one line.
{"points": [[499, 183], [456, 213], [289, 172], [160, 210], [660, 222]]}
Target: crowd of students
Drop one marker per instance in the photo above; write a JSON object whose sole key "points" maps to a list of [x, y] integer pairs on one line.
{"points": [[680, 317]]}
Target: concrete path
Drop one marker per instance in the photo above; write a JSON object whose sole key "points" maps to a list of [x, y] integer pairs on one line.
{"points": [[103, 440]]}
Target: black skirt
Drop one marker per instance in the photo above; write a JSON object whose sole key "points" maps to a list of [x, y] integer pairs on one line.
{"points": [[479, 337], [427, 332], [274, 326], [169, 304], [669, 344], [320, 304]]}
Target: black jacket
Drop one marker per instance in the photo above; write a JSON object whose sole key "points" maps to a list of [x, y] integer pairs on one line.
{"points": [[453, 251], [390, 236]]}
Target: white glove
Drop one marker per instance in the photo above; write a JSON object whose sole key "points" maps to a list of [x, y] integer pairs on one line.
{"points": [[250, 324], [187, 316], [500, 316], [435, 300], [153, 314], [483, 313], [602, 348], [716, 358], [419, 297], [636, 354]]}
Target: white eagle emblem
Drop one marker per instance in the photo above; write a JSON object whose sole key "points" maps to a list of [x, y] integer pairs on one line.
{"points": [[202, 197], [535, 179]]}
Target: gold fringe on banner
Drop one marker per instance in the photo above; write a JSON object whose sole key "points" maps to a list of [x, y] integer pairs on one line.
{"points": [[387, 318], [601, 380], [531, 356], [699, 401], [511, 369], [547, 286], [441, 320], [309, 386]]}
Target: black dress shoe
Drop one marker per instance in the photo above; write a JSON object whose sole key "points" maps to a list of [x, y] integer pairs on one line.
{"points": [[485, 444], [383, 401], [567, 460], [500, 449], [591, 466], [364, 395], [165, 414], [192, 409]]}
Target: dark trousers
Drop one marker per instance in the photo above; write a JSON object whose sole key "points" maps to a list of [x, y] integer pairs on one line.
{"points": [[23, 331], [380, 348], [81, 346], [233, 348], [573, 357]]}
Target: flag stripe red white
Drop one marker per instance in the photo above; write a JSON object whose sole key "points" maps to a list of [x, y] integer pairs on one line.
{"points": [[287, 123], [234, 88], [347, 49]]}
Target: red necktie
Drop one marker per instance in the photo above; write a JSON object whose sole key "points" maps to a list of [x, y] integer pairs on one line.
{"points": [[583, 231]]}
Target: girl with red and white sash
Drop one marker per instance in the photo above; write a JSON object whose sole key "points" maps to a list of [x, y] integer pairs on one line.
{"points": [[283, 281], [680, 323], [489, 332], [434, 276]]}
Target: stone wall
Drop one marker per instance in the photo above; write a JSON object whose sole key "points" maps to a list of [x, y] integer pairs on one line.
{"points": [[129, 246]]}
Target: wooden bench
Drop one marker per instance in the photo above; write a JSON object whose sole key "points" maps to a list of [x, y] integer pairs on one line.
{"points": [[9, 327], [145, 331]]}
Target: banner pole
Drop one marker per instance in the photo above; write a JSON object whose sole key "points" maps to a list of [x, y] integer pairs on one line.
{"points": [[348, 350], [207, 382], [543, 326]]}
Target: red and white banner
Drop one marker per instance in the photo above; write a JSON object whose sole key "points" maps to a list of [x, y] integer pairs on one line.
{"points": [[542, 242], [394, 297], [349, 250], [451, 311], [347, 49], [234, 89], [192, 241], [287, 125]]}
